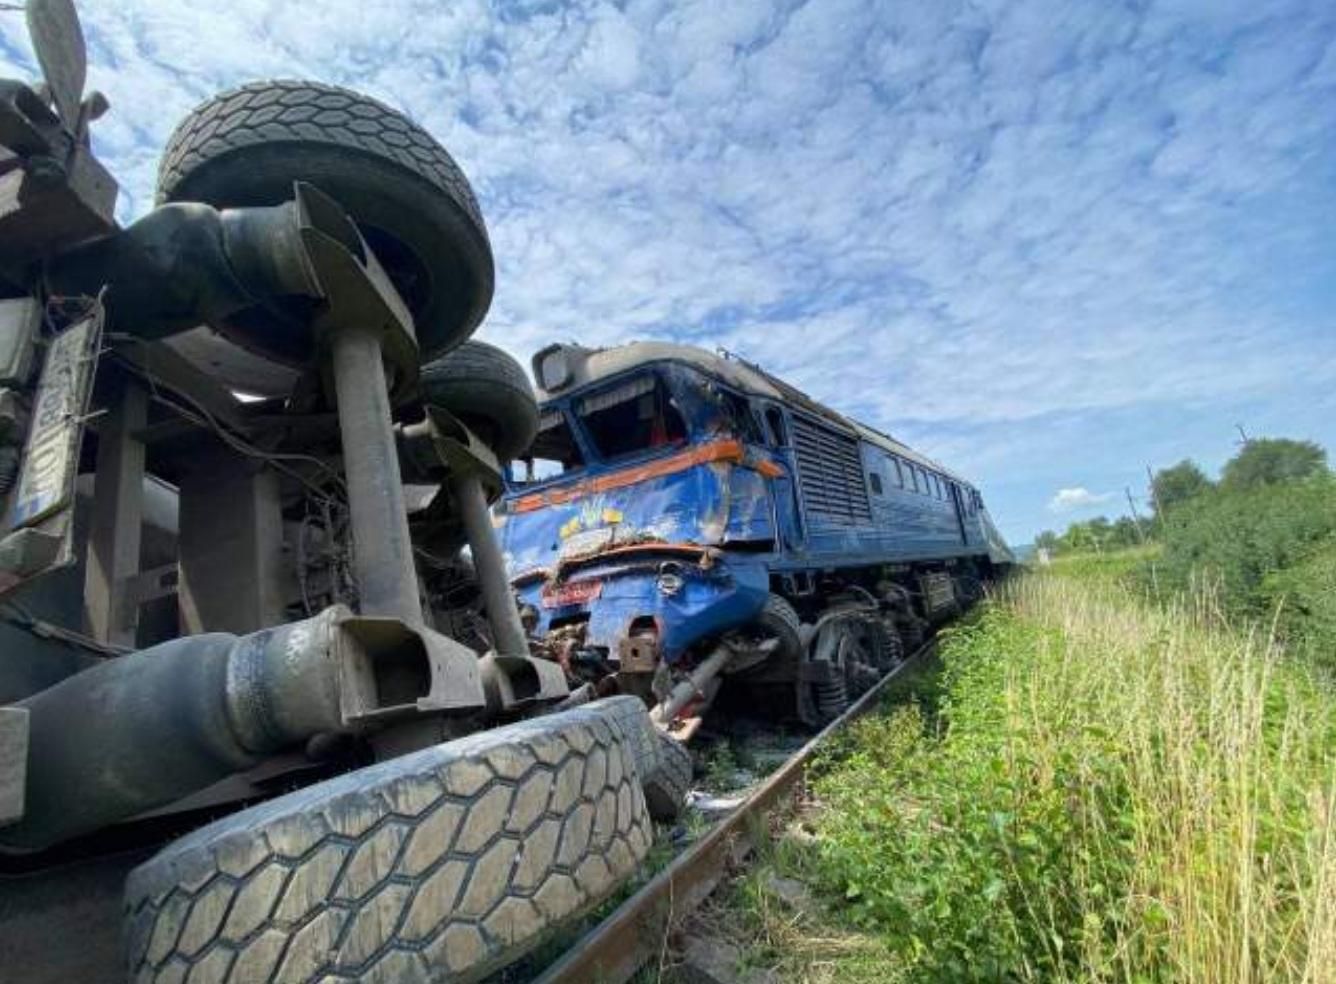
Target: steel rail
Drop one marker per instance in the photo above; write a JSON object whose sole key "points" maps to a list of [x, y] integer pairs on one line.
{"points": [[616, 948]]}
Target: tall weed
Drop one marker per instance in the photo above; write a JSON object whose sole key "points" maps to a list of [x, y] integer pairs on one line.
{"points": [[1111, 791]]}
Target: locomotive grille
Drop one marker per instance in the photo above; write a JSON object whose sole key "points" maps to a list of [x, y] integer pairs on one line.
{"points": [[830, 472]]}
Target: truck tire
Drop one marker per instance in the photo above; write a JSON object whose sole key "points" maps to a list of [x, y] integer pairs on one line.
{"points": [[779, 619], [489, 391], [776, 622], [410, 199], [442, 865], [667, 784]]}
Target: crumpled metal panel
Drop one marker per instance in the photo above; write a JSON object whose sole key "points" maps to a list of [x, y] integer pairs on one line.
{"points": [[706, 505], [711, 600]]}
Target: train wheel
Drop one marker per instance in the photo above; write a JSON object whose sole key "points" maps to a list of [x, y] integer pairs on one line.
{"points": [[841, 656], [893, 648]]}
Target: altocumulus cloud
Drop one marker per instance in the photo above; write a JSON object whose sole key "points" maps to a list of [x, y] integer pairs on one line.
{"points": [[992, 228], [1069, 500]]}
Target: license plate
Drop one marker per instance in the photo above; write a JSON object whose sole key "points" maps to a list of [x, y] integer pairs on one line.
{"points": [[51, 455], [571, 593]]}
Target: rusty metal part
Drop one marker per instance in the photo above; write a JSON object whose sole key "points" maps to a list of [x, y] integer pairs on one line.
{"points": [[693, 687], [473, 475], [114, 541], [638, 653], [614, 950], [53, 192]]}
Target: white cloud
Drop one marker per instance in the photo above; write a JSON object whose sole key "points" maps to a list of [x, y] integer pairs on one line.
{"points": [[956, 219], [1069, 500]]}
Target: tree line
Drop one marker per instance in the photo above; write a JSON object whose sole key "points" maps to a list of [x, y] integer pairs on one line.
{"points": [[1259, 463]]}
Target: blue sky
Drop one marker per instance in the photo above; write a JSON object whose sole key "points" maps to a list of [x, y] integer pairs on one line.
{"points": [[1046, 243]]}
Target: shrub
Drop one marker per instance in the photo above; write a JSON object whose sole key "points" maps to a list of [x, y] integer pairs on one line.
{"points": [[1304, 599], [1255, 549]]}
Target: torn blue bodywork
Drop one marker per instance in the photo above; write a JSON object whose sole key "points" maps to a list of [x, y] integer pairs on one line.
{"points": [[710, 504], [626, 538]]}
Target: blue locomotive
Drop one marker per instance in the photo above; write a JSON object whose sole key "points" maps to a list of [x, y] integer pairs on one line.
{"points": [[686, 522]]}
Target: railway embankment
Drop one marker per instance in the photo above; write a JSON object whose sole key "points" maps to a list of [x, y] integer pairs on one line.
{"points": [[1088, 784]]}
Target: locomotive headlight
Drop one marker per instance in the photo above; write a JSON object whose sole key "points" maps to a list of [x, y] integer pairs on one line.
{"points": [[670, 584], [552, 367]]}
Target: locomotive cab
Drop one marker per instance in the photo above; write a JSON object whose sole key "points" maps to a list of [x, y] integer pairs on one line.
{"points": [[615, 523]]}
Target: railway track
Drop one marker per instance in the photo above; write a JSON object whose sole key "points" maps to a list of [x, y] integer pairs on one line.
{"points": [[634, 932]]}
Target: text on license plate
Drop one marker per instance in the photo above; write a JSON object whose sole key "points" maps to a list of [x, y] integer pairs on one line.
{"points": [[571, 593]]}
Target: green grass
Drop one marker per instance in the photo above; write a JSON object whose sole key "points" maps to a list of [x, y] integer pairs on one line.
{"points": [[1114, 566], [1109, 790]]}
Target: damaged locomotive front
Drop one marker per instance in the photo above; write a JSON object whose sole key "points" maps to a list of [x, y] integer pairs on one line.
{"points": [[684, 517]]}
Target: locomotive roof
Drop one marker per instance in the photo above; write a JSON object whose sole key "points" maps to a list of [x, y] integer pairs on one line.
{"points": [[585, 366]]}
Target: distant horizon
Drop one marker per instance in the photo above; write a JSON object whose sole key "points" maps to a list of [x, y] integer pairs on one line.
{"points": [[1046, 246]]}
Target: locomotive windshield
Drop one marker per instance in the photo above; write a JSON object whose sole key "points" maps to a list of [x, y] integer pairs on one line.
{"points": [[553, 453], [634, 416]]}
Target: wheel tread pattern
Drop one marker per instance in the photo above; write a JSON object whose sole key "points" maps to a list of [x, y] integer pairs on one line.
{"points": [[666, 787], [262, 112], [479, 380], [414, 869]]}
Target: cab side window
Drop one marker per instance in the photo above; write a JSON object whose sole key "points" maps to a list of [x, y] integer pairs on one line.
{"points": [[741, 420]]}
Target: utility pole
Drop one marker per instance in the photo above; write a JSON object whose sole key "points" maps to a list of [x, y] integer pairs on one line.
{"points": [[1243, 434], [1136, 518], [1154, 499]]}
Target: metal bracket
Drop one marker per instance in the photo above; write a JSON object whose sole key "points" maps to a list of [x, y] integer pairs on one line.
{"points": [[409, 670], [515, 682], [462, 452], [53, 192], [356, 290]]}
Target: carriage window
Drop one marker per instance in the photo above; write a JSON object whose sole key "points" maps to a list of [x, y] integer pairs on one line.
{"points": [[774, 419], [896, 473], [937, 487], [875, 481], [553, 452], [635, 416]]}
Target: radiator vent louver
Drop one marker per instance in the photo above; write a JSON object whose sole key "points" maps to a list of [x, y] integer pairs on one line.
{"points": [[830, 472]]}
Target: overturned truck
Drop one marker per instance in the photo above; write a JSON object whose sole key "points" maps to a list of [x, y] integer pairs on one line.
{"points": [[246, 733]]}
